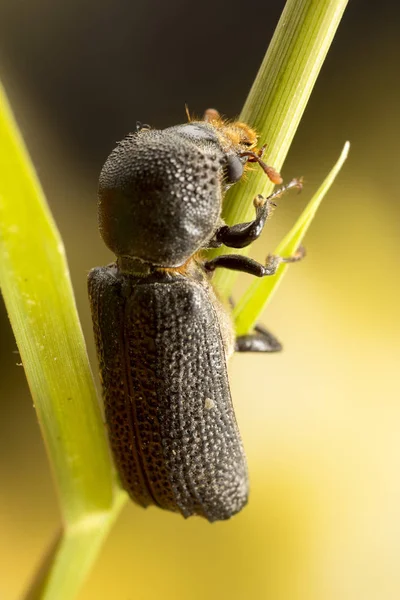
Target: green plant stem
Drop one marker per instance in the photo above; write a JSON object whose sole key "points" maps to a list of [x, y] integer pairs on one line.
{"points": [[277, 100], [71, 556], [36, 287]]}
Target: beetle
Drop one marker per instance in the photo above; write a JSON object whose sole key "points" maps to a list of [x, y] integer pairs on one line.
{"points": [[163, 336]]}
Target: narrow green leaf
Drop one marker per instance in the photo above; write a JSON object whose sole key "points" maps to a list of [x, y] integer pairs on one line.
{"points": [[36, 287], [257, 296]]}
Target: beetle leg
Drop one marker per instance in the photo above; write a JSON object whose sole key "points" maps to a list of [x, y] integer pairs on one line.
{"points": [[243, 234], [237, 262], [259, 341]]}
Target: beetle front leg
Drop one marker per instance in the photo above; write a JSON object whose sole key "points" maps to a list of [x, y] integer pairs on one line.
{"points": [[261, 340], [243, 234], [237, 262]]}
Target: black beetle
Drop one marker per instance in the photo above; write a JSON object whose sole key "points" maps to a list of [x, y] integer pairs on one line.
{"points": [[163, 337]]}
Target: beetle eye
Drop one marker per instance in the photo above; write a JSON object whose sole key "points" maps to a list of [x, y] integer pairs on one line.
{"points": [[233, 169]]}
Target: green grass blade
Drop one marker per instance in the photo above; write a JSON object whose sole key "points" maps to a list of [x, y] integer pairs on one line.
{"points": [[36, 287], [72, 555], [253, 302], [277, 100]]}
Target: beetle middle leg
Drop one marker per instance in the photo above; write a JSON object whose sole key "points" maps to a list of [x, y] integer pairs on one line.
{"points": [[237, 262], [243, 234]]}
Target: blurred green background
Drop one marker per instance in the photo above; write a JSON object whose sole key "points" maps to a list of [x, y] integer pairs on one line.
{"points": [[320, 421]]}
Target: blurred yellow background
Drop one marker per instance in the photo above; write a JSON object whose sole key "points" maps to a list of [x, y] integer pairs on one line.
{"points": [[320, 421]]}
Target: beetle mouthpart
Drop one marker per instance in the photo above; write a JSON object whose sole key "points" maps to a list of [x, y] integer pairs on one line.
{"points": [[271, 173]]}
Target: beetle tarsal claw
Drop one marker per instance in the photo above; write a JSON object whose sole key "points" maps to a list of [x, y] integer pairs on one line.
{"points": [[273, 260], [298, 255], [272, 263]]}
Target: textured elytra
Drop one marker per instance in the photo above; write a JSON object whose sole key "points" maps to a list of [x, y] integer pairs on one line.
{"points": [[160, 193], [167, 401]]}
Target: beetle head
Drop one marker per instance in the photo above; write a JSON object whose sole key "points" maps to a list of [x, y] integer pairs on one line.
{"points": [[239, 141]]}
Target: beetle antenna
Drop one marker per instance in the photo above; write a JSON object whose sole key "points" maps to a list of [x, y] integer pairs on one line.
{"points": [[272, 173], [189, 118]]}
